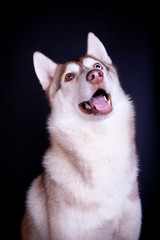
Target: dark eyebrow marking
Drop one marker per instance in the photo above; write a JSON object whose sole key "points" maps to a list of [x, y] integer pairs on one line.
{"points": [[82, 66]]}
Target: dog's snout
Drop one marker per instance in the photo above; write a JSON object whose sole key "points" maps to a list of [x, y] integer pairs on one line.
{"points": [[95, 76]]}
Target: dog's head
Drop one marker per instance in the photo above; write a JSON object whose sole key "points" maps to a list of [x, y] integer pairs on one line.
{"points": [[88, 85]]}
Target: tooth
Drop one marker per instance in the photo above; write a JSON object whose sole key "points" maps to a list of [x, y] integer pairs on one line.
{"points": [[105, 98], [87, 106], [109, 102]]}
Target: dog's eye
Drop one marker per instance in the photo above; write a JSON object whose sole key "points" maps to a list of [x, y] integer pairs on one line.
{"points": [[98, 66], [69, 77]]}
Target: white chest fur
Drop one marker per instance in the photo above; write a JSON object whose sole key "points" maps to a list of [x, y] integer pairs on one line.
{"points": [[96, 167]]}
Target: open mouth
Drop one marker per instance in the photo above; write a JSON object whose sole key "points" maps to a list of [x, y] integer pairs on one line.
{"points": [[100, 103]]}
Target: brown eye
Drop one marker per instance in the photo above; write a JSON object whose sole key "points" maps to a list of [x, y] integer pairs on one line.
{"points": [[69, 77], [98, 66]]}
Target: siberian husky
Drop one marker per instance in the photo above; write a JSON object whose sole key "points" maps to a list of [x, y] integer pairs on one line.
{"points": [[89, 188]]}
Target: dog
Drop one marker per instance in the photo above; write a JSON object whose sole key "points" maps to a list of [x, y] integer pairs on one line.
{"points": [[89, 188]]}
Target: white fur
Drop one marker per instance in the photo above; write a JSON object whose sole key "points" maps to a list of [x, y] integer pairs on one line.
{"points": [[96, 49], [91, 164], [44, 68]]}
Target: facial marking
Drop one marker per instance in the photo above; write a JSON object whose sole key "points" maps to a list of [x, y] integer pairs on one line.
{"points": [[89, 62], [72, 67]]}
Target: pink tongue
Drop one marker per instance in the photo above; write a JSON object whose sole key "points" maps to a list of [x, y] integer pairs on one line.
{"points": [[99, 103]]}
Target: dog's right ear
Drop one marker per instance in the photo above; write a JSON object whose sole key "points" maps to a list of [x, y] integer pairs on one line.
{"points": [[45, 69], [96, 49]]}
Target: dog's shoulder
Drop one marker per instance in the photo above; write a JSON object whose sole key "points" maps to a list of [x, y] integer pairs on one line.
{"points": [[36, 209], [34, 222], [36, 190]]}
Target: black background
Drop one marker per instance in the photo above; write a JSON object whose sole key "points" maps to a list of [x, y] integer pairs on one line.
{"points": [[129, 32]]}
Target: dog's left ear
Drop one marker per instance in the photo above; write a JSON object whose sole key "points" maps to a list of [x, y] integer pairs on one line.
{"points": [[96, 49]]}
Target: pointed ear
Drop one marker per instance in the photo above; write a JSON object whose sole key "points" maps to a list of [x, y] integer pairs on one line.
{"points": [[96, 49], [45, 69]]}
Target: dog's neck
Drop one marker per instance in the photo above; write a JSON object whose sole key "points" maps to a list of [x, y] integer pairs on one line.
{"points": [[83, 149]]}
